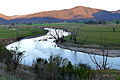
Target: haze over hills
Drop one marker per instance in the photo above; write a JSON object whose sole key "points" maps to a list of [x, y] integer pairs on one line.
{"points": [[78, 12]]}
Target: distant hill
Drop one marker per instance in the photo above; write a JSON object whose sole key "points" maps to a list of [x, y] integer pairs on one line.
{"points": [[33, 20], [105, 15], [118, 11], [4, 16], [75, 14]]}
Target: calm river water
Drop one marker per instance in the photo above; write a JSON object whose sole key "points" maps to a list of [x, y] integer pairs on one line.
{"points": [[39, 47]]}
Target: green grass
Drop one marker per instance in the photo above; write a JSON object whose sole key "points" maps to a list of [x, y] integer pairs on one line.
{"points": [[21, 32], [51, 24], [96, 34]]}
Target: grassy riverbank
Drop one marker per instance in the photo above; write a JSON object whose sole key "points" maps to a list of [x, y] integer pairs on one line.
{"points": [[95, 35], [6, 33], [88, 35], [53, 69]]}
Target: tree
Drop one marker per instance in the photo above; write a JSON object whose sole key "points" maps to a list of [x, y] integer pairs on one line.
{"points": [[113, 29], [57, 35], [117, 21], [74, 34], [39, 67], [103, 64], [49, 70], [113, 26], [4, 53], [57, 68]]}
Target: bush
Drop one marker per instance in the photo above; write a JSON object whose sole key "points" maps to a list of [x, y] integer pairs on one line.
{"points": [[13, 60], [83, 70], [57, 68], [48, 70], [3, 52]]}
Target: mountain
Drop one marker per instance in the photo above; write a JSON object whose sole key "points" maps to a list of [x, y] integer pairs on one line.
{"points": [[17, 16], [75, 14], [4, 17], [118, 11], [107, 16], [33, 20]]}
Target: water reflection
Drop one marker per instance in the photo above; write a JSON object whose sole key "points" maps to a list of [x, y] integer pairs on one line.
{"points": [[38, 47]]}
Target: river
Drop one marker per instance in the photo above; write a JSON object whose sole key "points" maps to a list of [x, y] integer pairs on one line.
{"points": [[44, 46]]}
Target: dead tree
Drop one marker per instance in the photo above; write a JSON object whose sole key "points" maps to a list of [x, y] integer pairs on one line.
{"points": [[57, 35], [104, 62], [74, 34], [85, 40], [113, 27]]}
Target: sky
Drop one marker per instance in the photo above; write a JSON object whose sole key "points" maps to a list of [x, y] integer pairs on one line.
{"points": [[21, 7]]}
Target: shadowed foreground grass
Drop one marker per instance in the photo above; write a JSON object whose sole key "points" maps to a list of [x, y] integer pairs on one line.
{"points": [[25, 73]]}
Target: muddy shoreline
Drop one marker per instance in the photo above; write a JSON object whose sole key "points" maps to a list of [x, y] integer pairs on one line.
{"points": [[8, 41], [112, 53]]}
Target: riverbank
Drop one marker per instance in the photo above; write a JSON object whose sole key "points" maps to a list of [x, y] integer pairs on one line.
{"points": [[8, 41], [24, 33], [89, 39], [95, 51]]}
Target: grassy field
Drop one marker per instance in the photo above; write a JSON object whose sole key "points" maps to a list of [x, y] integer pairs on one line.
{"points": [[96, 35], [52, 24], [6, 33]]}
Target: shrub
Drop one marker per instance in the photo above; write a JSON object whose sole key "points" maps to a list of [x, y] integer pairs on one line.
{"points": [[13, 60], [3, 53], [57, 68]]}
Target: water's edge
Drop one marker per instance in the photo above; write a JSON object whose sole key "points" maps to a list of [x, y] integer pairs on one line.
{"points": [[43, 46], [112, 53]]}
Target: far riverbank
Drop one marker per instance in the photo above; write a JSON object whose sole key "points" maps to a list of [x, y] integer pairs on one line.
{"points": [[112, 52]]}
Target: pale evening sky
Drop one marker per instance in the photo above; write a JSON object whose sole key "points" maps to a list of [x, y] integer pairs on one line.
{"points": [[20, 7]]}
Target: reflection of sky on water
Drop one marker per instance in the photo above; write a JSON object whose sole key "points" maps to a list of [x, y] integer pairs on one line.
{"points": [[35, 48]]}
